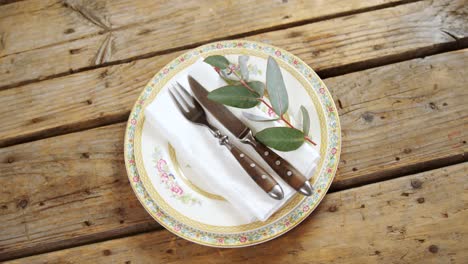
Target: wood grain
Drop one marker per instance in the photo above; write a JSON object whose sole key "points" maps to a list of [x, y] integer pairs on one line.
{"points": [[83, 100], [79, 101], [5, 2], [256, 172], [284, 169], [67, 190], [415, 219], [75, 34], [350, 43], [427, 124], [402, 117]]}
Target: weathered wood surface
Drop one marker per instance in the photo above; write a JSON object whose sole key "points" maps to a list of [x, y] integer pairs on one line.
{"points": [[72, 35], [105, 95], [395, 34], [4, 2], [420, 102], [414, 219], [75, 102], [66, 191], [403, 117]]}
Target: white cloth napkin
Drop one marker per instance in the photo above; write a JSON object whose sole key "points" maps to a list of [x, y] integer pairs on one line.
{"points": [[214, 164]]}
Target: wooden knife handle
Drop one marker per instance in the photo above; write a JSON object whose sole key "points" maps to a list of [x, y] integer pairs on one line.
{"points": [[282, 167], [258, 174]]}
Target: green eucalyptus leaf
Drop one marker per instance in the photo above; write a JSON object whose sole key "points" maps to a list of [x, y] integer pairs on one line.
{"points": [[305, 121], [217, 61], [276, 87], [257, 86], [236, 96], [258, 118], [281, 138], [243, 67]]}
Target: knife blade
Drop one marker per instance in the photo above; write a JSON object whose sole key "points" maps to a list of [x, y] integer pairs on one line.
{"points": [[282, 167]]}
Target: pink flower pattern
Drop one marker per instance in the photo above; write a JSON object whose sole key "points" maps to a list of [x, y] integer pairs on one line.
{"points": [[161, 164], [164, 177], [240, 238], [169, 181], [177, 190]]}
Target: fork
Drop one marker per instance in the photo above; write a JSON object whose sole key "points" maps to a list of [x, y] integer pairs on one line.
{"points": [[193, 112]]}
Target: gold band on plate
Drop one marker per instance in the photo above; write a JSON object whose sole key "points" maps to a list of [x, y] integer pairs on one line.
{"points": [[297, 198], [194, 187]]}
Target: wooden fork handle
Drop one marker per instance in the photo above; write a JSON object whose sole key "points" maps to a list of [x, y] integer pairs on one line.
{"points": [[260, 176]]}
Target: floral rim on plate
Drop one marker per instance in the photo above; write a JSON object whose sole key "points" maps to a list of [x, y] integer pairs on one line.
{"points": [[264, 233]]}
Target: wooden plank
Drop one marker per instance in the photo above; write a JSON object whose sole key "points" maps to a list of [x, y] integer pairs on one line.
{"points": [[98, 97], [67, 190], [71, 111], [350, 43], [431, 124], [402, 117], [73, 35], [415, 219], [5, 2]]}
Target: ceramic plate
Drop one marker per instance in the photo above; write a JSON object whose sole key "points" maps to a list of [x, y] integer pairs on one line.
{"points": [[169, 190]]}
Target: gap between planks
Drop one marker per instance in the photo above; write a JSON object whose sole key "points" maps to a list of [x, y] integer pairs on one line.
{"points": [[434, 40], [6, 2], [324, 74], [146, 229], [416, 199], [351, 183], [123, 117]]}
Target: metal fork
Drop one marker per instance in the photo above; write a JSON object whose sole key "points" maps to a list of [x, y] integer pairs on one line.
{"points": [[193, 111]]}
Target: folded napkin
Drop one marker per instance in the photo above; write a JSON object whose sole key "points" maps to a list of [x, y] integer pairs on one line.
{"points": [[214, 164]]}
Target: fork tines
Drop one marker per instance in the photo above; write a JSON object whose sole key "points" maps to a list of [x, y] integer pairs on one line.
{"points": [[181, 97]]}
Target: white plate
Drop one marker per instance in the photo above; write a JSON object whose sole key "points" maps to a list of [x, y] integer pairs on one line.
{"points": [[170, 192]]}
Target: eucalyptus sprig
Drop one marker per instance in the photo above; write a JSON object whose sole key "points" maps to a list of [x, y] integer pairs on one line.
{"points": [[242, 93]]}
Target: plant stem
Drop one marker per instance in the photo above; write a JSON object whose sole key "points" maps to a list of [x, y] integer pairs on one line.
{"points": [[286, 121], [310, 140], [270, 107]]}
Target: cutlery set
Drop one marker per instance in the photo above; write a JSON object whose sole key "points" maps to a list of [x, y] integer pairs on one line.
{"points": [[192, 110]]}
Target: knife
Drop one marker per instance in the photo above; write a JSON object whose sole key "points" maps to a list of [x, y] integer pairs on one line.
{"points": [[282, 167]]}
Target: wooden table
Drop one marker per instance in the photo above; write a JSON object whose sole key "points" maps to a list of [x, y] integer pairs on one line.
{"points": [[71, 70]]}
